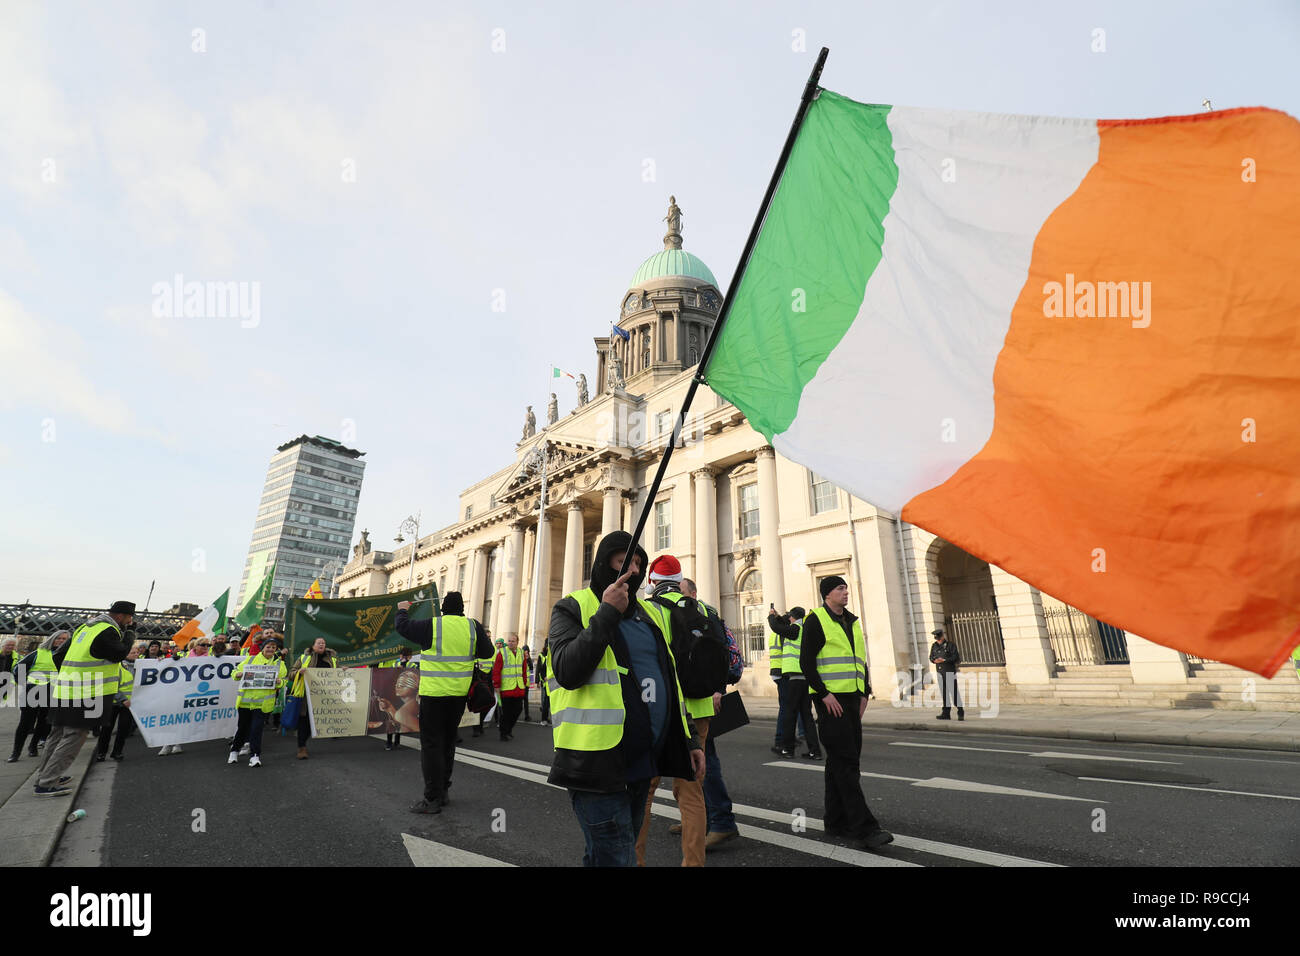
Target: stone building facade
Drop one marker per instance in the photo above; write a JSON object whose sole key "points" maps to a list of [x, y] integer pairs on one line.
{"points": [[754, 529]]}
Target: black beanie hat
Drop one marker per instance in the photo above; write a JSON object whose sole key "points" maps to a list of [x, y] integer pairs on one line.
{"points": [[830, 584], [453, 603]]}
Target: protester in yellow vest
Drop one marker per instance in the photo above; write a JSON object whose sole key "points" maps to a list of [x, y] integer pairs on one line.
{"points": [[318, 655], [797, 702], [39, 670], [253, 704], [544, 669], [83, 691], [121, 717], [832, 656], [617, 710], [510, 678], [448, 646], [782, 627], [666, 586]]}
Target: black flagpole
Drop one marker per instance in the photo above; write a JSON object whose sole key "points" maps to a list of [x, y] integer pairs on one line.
{"points": [[809, 91]]}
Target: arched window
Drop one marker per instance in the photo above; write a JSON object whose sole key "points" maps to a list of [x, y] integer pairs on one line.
{"points": [[753, 581]]}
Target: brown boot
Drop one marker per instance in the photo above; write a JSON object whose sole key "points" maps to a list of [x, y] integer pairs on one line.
{"points": [[302, 753]]}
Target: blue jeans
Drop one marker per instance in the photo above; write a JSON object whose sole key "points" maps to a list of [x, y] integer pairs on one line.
{"points": [[610, 823], [716, 798]]}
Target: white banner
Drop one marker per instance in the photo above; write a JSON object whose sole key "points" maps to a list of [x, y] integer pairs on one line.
{"points": [[338, 699], [185, 701]]}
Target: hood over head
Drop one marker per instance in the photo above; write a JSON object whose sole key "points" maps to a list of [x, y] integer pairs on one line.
{"points": [[602, 575], [453, 603]]}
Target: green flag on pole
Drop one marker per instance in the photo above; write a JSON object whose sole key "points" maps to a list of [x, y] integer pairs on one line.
{"points": [[251, 612]]}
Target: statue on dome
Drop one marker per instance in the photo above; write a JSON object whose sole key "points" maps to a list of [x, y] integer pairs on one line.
{"points": [[583, 397], [530, 425], [674, 219], [552, 410]]}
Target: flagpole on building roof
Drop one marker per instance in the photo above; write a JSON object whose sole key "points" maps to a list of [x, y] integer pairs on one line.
{"points": [[809, 92]]}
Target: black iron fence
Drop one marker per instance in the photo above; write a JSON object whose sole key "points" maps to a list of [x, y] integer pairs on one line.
{"points": [[39, 620]]}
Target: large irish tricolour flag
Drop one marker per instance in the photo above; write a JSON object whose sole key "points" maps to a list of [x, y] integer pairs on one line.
{"points": [[1071, 347]]}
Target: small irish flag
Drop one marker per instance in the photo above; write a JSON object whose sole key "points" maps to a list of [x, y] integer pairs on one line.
{"points": [[557, 372], [1068, 346], [211, 620]]}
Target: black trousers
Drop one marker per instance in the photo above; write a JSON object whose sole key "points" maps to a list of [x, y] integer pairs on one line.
{"points": [[949, 680], [304, 727], [799, 703], [439, 718], [525, 700], [122, 719], [249, 730], [34, 721], [546, 703], [510, 708], [841, 738]]}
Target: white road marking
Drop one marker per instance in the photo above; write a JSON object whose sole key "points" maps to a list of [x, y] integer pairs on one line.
{"points": [[1175, 786], [1029, 753], [515, 767], [947, 783], [427, 853]]}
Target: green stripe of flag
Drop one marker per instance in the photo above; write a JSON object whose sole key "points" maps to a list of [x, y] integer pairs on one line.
{"points": [[819, 244]]}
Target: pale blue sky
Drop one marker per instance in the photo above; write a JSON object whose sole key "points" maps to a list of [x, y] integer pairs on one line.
{"points": [[520, 169]]}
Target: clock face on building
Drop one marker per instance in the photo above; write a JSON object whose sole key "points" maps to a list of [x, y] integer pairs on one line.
{"points": [[631, 304], [710, 300]]}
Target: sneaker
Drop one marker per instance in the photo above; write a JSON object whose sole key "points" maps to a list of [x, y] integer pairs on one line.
{"points": [[388, 746], [427, 806], [255, 761], [777, 749], [719, 836], [55, 791], [165, 751], [99, 758], [812, 756], [13, 757], [246, 750], [233, 758], [176, 748], [876, 839], [787, 753]]}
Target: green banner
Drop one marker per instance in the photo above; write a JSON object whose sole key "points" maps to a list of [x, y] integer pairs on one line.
{"points": [[251, 612], [358, 630]]}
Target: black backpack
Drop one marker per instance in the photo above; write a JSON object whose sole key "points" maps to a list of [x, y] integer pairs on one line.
{"points": [[699, 647]]}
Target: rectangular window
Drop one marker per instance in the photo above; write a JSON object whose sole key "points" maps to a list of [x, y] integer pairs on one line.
{"points": [[460, 578], [749, 510], [825, 496], [588, 555], [663, 525], [469, 510], [663, 423]]}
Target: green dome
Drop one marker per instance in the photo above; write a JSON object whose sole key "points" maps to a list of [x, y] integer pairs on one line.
{"points": [[672, 262]]}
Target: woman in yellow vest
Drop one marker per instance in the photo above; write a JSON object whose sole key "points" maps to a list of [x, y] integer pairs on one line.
{"points": [[253, 704], [318, 655], [39, 669], [618, 717]]}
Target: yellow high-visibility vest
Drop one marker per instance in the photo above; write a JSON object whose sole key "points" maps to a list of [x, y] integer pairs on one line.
{"points": [[841, 664], [262, 699], [447, 666], [512, 669], [43, 668], [591, 717], [83, 677]]}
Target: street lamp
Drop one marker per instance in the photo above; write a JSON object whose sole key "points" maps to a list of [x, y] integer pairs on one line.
{"points": [[410, 526], [332, 568]]}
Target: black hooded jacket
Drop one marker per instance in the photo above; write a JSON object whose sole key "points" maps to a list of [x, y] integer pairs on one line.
{"points": [[420, 633], [575, 654]]}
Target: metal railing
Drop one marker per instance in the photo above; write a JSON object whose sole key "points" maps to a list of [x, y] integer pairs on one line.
{"points": [[38, 620], [1076, 641], [978, 636], [753, 645]]}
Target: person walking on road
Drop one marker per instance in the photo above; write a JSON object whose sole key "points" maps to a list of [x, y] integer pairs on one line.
{"points": [[781, 626], [618, 712], [449, 645], [38, 670], [121, 718], [318, 655], [510, 678], [253, 704], [832, 656], [798, 703], [528, 671], [84, 688], [543, 669], [945, 658]]}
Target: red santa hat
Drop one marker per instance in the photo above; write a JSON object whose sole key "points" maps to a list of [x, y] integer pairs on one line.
{"points": [[665, 568]]}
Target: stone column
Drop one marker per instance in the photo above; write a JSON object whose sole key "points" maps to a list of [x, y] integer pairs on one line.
{"points": [[706, 536], [1024, 629], [611, 511], [542, 586], [478, 584], [526, 585], [573, 549], [1151, 663], [513, 568], [769, 538]]}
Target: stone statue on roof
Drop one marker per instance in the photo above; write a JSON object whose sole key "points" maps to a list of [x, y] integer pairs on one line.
{"points": [[552, 410], [530, 425], [583, 397]]}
